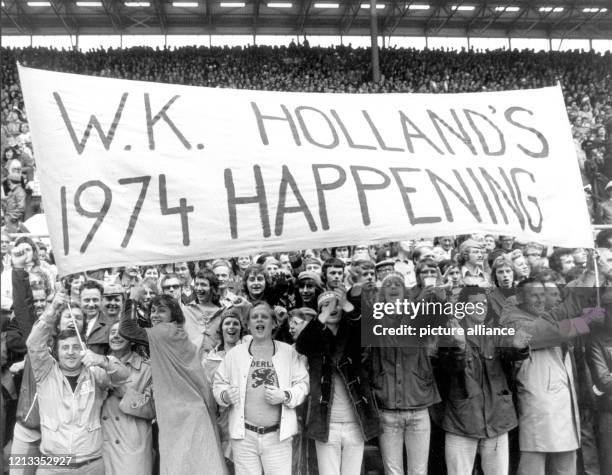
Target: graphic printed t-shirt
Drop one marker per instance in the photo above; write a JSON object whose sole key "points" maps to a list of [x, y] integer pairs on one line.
{"points": [[257, 411]]}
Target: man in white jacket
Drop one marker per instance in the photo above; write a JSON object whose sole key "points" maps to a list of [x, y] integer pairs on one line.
{"points": [[263, 381]]}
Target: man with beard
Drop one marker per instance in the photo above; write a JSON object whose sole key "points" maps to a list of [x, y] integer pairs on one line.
{"points": [[98, 323], [562, 261], [14, 201], [548, 412], [112, 301]]}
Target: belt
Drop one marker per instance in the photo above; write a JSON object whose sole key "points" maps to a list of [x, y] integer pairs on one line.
{"points": [[262, 430], [82, 464]]}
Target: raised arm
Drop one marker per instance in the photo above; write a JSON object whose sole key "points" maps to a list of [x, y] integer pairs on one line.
{"points": [[37, 343], [128, 326]]}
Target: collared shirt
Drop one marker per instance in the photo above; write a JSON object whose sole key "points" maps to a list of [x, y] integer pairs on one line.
{"points": [[201, 325], [228, 300], [478, 275]]}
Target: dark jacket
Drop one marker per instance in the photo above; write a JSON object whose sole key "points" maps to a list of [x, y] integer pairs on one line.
{"points": [[97, 341], [402, 378], [327, 353], [479, 402], [20, 326], [599, 359]]}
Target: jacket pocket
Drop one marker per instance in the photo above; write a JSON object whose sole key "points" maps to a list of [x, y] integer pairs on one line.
{"points": [[49, 423], [554, 384], [94, 425]]}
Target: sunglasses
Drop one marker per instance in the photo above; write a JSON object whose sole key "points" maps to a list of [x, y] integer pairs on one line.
{"points": [[173, 287]]}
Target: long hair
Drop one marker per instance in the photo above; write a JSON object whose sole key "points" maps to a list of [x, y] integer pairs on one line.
{"points": [[27, 240], [176, 314], [255, 269], [212, 281], [298, 298], [63, 308], [224, 316], [148, 283]]}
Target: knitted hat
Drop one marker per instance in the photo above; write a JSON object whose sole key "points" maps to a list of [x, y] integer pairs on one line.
{"points": [[385, 263], [326, 297], [310, 275], [394, 276], [313, 260]]}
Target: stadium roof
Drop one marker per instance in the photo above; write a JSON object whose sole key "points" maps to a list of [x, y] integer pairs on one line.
{"points": [[478, 18]]}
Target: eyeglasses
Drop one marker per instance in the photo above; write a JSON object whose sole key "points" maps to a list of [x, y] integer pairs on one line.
{"points": [[173, 287]]}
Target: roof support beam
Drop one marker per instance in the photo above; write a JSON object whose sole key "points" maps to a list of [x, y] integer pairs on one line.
{"points": [[111, 13], [304, 10], [160, 11]]}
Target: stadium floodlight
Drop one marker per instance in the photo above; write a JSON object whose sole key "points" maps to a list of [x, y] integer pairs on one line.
{"points": [[463, 8], [232, 4], [137, 4], [418, 7], [185, 4], [88, 4], [379, 6], [326, 5], [545, 9], [594, 10], [280, 5], [507, 9], [39, 4]]}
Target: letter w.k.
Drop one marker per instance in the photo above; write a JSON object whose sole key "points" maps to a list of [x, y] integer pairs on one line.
{"points": [[106, 138]]}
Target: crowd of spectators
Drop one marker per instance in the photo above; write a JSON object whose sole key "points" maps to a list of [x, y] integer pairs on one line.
{"points": [[251, 363], [584, 76]]}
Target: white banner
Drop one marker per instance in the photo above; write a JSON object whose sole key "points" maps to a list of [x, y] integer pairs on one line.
{"points": [[142, 173]]}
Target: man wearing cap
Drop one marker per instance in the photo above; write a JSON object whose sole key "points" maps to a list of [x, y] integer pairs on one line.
{"points": [[383, 268], [471, 263], [112, 300], [604, 212], [342, 413]]}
